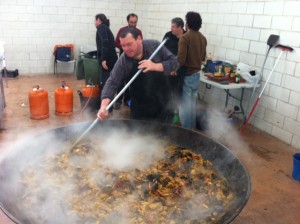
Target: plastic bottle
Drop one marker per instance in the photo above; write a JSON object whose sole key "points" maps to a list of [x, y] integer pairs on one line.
{"points": [[175, 117], [238, 76], [208, 63]]}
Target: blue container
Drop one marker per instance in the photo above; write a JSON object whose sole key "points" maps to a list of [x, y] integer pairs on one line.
{"points": [[212, 65], [296, 168]]}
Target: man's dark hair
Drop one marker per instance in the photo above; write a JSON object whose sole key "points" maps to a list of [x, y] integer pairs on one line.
{"points": [[178, 21], [103, 19], [131, 15], [193, 20], [131, 30]]}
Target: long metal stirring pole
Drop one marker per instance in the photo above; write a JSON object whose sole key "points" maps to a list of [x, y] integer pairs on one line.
{"points": [[120, 93]]}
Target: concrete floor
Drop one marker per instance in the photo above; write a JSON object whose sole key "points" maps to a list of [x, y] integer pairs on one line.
{"points": [[275, 196]]}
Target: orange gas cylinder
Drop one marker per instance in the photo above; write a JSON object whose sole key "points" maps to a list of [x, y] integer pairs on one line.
{"points": [[63, 100], [90, 97], [38, 103], [90, 91]]}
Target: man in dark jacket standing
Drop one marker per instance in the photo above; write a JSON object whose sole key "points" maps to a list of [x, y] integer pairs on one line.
{"points": [[177, 30], [106, 52], [176, 78]]}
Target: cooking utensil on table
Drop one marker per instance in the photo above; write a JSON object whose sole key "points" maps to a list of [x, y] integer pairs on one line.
{"points": [[119, 94]]}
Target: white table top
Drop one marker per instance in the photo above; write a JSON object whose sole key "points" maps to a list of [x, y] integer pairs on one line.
{"points": [[205, 79]]}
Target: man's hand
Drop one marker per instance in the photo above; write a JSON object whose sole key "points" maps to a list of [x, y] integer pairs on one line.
{"points": [[103, 113], [148, 65], [104, 65]]}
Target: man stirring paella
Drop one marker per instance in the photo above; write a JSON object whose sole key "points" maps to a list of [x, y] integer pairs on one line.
{"points": [[149, 95]]}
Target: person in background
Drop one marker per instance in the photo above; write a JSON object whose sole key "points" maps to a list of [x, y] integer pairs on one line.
{"points": [[106, 52], [176, 78], [132, 20], [148, 91], [191, 54], [177, 30]]}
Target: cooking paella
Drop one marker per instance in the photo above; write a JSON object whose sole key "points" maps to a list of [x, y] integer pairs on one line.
{"points": [[179, 188], [171, 176]]}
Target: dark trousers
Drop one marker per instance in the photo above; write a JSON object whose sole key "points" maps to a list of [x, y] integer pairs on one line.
{"points": [[125, 96], [147, 112], [137, 115], [103, 78]]}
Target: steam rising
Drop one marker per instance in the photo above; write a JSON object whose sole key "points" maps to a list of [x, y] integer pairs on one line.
{"points": [[123, 150], [48, 194], [224, 130], [116, 149]]}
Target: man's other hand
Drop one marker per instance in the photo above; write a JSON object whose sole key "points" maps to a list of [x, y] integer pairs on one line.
{"points": [[103, 113]]}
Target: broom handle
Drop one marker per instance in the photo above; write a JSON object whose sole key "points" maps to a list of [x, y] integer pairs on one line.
{"points": [[283, 48], [270, 75], [250, 114], [258, 80], [256, 102]]}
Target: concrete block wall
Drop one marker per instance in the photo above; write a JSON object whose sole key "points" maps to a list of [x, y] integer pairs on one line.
{"points": [[240, 35], [236, 31], [32, 28]]}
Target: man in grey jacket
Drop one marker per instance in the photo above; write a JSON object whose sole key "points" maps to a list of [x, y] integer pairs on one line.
{"points": [[149, 95]]}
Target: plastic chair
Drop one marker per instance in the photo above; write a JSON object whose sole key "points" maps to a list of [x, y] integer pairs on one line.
{"points": [[63, 54]]}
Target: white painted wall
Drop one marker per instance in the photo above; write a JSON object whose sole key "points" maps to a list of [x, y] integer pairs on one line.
{"points": [[31, 28], [236, 31]]}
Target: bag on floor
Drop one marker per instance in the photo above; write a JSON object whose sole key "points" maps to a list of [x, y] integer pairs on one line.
{"points": [[10, 73]]}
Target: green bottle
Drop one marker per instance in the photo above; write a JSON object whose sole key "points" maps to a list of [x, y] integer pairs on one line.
{"points": [[175, 117]]}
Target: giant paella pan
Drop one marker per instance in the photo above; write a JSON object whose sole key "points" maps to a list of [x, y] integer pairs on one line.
{"points": [[124, 171]]}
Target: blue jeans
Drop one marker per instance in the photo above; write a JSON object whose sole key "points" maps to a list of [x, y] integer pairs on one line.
{"points": [[187, 108]]}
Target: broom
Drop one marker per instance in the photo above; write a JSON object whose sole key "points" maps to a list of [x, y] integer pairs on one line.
{"points": [[282, 48]]}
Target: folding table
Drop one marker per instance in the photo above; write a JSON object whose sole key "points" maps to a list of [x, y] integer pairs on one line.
{"points": [[227, 88]]}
